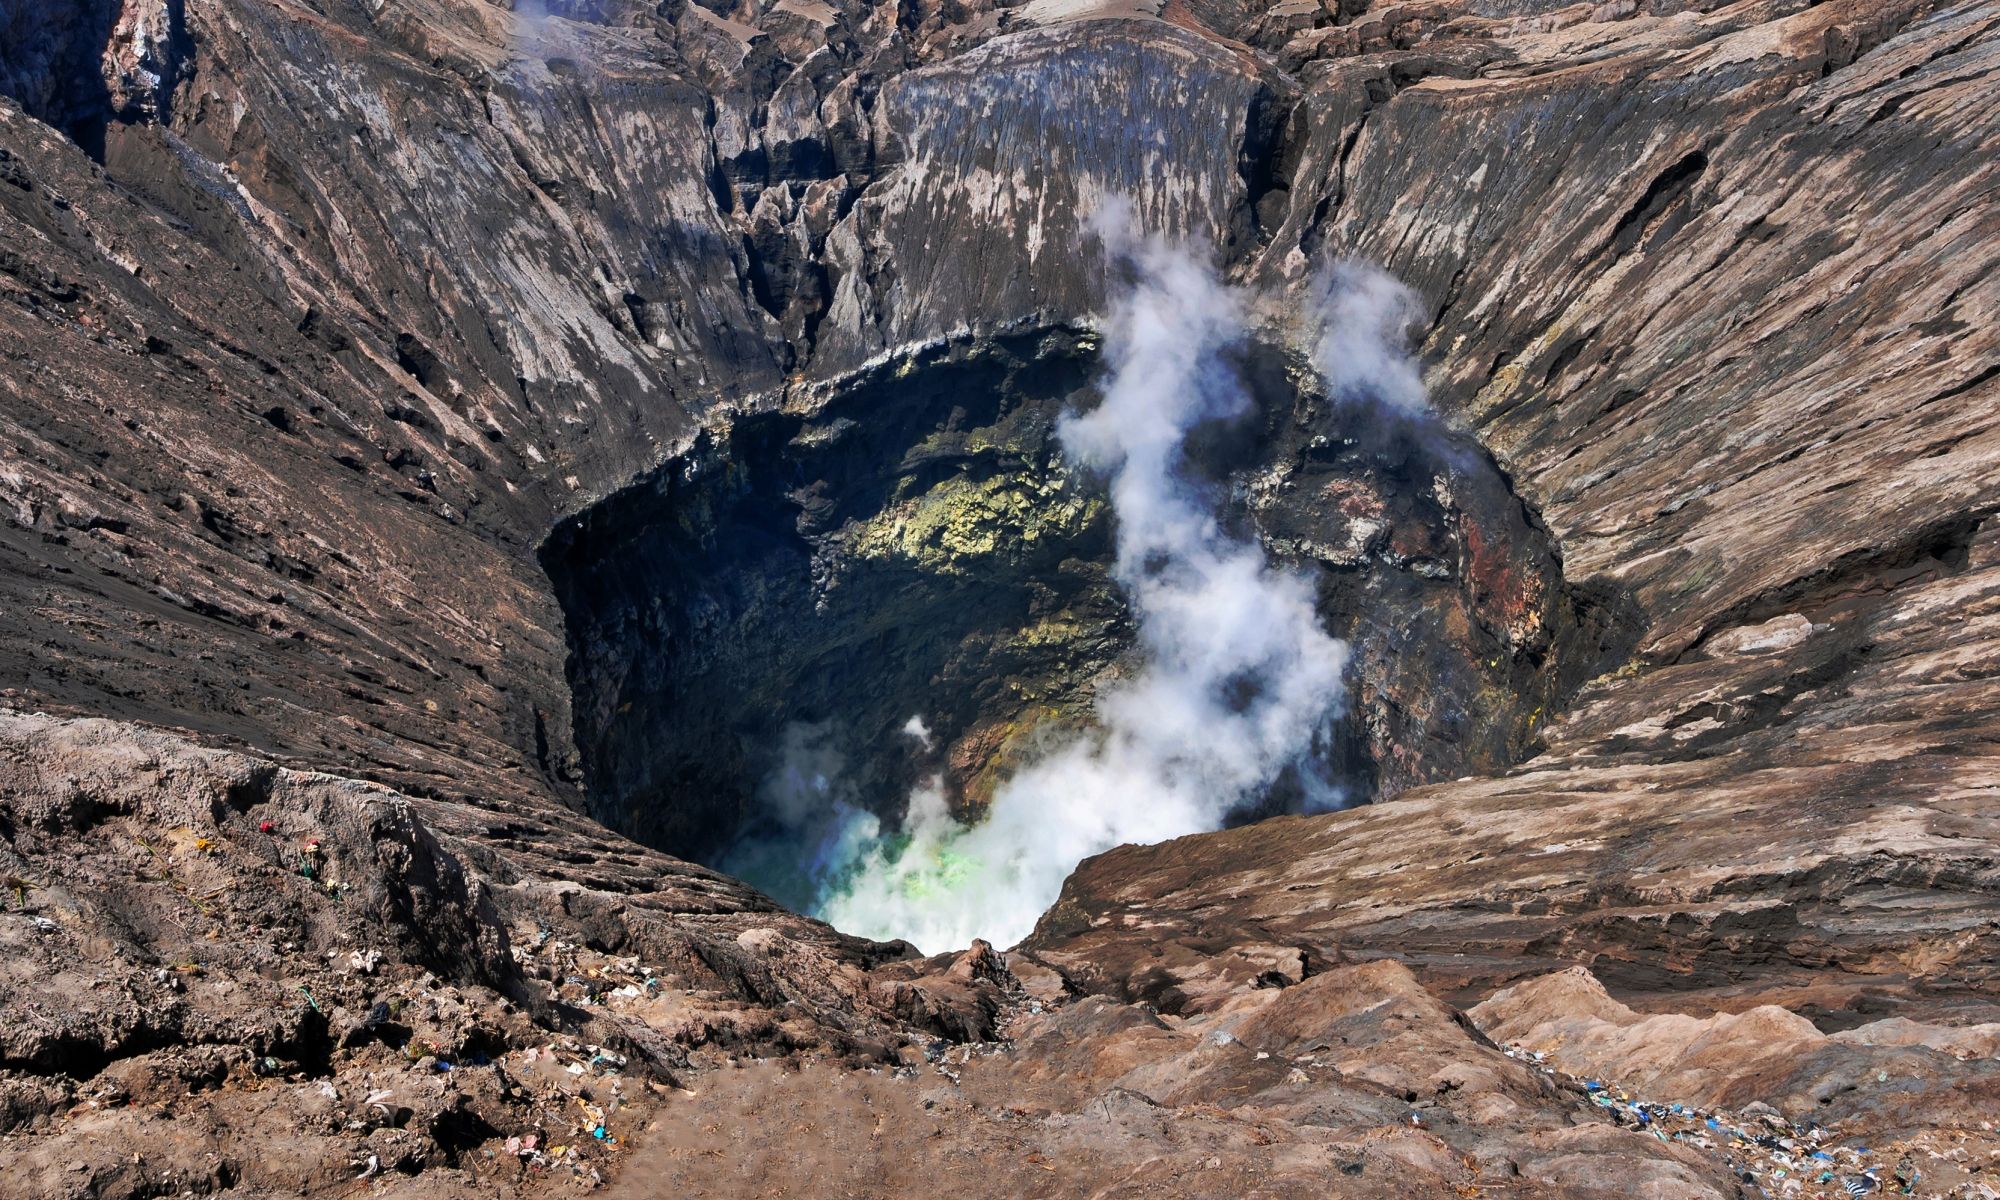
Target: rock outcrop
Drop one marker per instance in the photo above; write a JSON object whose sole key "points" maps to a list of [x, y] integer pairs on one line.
{"points": [[222, 974]]}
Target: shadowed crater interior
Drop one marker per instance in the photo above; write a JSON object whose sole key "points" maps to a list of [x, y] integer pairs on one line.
{"points": [[915, 546]]}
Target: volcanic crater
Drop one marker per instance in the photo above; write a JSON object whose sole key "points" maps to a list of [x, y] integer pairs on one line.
{"points": [[453, 452], [908, 541]]}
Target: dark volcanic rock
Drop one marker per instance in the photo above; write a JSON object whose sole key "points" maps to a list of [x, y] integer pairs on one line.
{"points": [[908, 541]]}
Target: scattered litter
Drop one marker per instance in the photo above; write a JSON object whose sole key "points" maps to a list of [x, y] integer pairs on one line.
{"points": [[1778, 1158]]}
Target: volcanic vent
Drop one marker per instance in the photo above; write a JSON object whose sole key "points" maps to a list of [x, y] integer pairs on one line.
{"points": [[838, 617]]}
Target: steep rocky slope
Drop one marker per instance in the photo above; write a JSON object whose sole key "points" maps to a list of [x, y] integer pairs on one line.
{"points": [[321, 316]]}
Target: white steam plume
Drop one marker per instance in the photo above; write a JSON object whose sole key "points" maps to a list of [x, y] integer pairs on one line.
{"points": [[1239, 680], [816, 830], [1363, 314], [531, 27]]}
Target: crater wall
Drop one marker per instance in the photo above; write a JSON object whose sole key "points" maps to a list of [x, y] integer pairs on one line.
{"points": [[307, 359]]}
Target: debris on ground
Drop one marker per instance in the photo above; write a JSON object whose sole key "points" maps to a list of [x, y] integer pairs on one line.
{"points": [[1785, 1159]]}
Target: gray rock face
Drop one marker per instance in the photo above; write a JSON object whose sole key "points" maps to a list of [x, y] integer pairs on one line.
{"points": [[319, 317], [63, 61], [999, 156]]}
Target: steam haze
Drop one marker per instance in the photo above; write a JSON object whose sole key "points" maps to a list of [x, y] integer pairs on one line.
{"points": [[1239, 683], [1360, 315]]}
